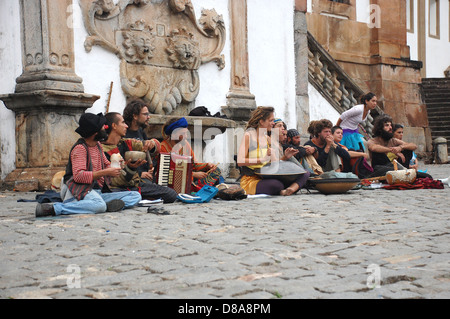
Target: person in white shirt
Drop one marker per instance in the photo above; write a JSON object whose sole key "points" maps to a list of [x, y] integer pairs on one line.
{"points": [[350, 119]]}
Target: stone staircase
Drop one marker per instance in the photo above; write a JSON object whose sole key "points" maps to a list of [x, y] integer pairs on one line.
{"points": [[436, 95], [334, 84]]}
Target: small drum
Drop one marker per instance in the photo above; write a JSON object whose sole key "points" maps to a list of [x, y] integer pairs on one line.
{"points": [[401, 177]]}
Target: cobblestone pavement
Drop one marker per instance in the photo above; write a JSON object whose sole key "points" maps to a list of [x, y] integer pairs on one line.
{"points": [[362, 244]]}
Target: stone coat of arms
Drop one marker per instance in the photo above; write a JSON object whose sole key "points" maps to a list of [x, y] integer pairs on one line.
{"points": [[161, 46]]}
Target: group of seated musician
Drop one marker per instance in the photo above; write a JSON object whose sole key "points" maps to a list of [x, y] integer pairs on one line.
{"points": [[323, 152], [171, 166]]}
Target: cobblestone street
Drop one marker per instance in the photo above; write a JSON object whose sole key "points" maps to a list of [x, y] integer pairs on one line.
{"points": [[366, 244]]}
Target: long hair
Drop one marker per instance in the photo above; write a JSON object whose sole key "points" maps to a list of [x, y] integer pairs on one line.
{"points": [[261, 113], [378, 124], [133, 107]]}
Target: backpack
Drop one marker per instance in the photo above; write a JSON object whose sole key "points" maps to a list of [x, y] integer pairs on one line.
{"points": [[361, 168]]}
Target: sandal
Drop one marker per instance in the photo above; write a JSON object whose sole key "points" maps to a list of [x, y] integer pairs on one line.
{"points": [[157, 211]]}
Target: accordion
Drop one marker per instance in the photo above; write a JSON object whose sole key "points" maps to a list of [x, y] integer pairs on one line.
{"points": [[175, 171]]}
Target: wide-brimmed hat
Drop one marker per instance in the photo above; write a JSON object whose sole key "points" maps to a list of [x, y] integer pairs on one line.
{"points": [[90, 124]]}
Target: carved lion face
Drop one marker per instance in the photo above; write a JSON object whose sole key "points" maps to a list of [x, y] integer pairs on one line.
{"points": [[184, 53], [139, 47]]}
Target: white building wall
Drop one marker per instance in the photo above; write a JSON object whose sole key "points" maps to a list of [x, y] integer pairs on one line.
{"points": [[437, 50], [10, 69]]}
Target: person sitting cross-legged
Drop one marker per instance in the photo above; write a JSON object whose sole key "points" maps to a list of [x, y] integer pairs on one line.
{"points": [[86, 183], [130, 179], [384, 143], [329, 154]]}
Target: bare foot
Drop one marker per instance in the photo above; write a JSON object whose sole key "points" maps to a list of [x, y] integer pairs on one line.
{"points": [[287, 192]]}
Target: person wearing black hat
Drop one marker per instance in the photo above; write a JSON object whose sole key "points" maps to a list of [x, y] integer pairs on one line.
{"points": [[85, 189], [293, 140], [305, 155]]}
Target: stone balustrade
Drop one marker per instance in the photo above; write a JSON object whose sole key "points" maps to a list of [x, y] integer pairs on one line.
{"points": [[333, 82]]}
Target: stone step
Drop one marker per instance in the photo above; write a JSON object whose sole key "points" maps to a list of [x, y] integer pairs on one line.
{"points": [[436, 94], [445, 102], [437, 87], [436, 133], [437, 123], [436, 81], [438, 108]]}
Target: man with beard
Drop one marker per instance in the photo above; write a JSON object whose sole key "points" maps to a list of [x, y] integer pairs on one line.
{"points": [[129, 179], [136, 116], [86, 183], [384, 142]]}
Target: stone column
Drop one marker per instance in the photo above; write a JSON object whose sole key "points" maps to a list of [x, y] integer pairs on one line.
{"points": [[240, 102], [49, 97], [301, 66]]}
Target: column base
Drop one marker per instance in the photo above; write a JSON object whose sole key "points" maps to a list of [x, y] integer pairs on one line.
{"points": [[37, 179], [239, 106]]}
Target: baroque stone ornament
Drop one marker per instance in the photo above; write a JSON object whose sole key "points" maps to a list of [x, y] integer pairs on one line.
{"points": [[161, 47]]}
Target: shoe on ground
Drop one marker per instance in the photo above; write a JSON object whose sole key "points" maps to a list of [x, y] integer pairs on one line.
{"points": [[157, 211], [115, 205], [44, 209]]}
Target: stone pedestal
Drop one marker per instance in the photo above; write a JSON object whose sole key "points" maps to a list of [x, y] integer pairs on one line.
{"points": [[440, 150], [240, 102], [49, 97]]}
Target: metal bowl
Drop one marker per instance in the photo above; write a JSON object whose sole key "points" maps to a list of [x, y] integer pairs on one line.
{"points": [[334, 185], [284, 171], [135, 155]]}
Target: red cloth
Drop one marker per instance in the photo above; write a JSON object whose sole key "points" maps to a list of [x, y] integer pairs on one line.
{"points": [[420, 183]]}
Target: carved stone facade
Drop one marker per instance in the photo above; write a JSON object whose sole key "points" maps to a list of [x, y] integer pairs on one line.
{"points": [[161, 46]]}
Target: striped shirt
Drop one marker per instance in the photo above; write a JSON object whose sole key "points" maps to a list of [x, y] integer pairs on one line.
{"points": [[79, 166]]}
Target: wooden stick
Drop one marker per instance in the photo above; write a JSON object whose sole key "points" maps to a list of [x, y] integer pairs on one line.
{"points": [[212, 169], [380, 178], [109, 97]]}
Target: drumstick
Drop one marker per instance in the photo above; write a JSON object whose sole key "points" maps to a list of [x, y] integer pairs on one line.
{"points": [[109, 97], [380, 178], [212, 169]]}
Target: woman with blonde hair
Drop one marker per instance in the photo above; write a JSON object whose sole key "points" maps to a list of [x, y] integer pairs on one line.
{"points": [[256, 152]]}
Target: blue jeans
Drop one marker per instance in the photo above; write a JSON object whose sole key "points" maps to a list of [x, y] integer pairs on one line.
{"points": [[95, 202]]}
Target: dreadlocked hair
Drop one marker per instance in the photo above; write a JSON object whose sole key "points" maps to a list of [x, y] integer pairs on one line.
{"points": [[261, 113]]}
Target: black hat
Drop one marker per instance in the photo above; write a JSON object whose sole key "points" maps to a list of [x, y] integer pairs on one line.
{"points": [[90, 124], [292, 132]]}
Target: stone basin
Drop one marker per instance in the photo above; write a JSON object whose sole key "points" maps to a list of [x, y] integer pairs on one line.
{"points": [[198, 125]]}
